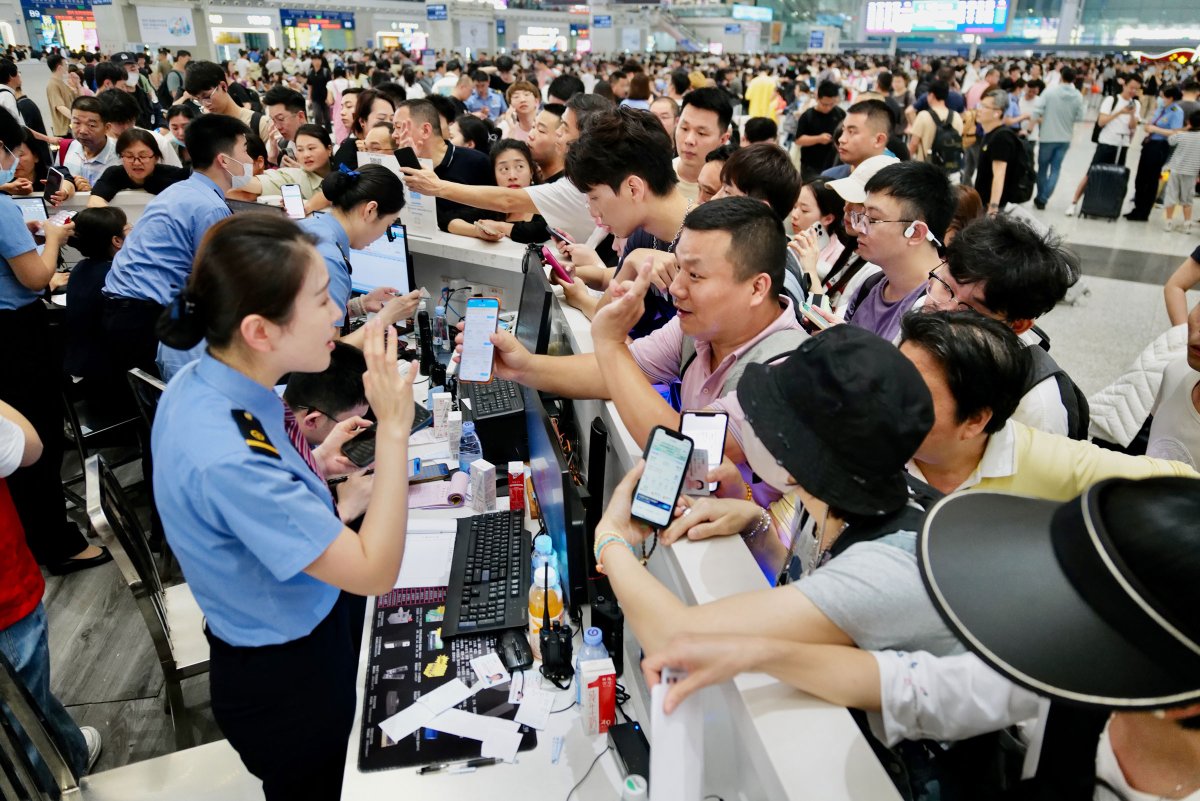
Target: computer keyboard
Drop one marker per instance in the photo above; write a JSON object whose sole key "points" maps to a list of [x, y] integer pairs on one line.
{"points": [[489, 576], [497, 397]]}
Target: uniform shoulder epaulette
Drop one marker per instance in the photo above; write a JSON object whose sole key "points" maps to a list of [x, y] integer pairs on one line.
{"points": [[252, 431]]}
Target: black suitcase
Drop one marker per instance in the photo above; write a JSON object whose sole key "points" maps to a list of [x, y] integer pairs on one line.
{"points": [[1105, 193]]}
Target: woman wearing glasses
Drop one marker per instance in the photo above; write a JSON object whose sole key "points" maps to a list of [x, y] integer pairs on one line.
{"points": [[140, 168]]}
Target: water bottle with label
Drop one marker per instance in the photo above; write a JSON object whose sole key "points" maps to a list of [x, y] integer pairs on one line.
{"points": [[441, 337], [469, 447], [544, 592], [593, 648], [543, 552]]}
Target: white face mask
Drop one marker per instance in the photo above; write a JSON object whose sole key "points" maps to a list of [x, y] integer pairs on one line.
{"points": [[132, 79], [238, 181]]}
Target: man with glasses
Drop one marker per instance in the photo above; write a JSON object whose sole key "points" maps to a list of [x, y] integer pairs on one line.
{"points": [[1001, 154], [322, 400], [1029, 281], [286, 108], [207, 84], [906, 208]]}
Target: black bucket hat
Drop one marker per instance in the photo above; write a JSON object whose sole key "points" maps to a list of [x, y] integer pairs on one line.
{"points": [[1090, 601], [842, 413]]}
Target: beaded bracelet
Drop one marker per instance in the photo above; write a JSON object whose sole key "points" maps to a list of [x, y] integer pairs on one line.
{"points": [[605, 540], [764, 521]]}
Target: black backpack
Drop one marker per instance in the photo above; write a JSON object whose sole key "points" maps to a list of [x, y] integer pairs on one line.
{"points": [[947, 148], [1026, 175], [1073, 399]]}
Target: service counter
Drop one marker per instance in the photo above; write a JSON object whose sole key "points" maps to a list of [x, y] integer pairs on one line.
{"points": [[763, 740]]}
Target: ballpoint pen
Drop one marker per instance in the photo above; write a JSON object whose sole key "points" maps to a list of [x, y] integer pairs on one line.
{"points": [[454, 766]]}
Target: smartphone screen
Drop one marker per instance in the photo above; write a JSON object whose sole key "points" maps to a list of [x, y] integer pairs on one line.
{"points": [[293, 202], [667, 458], [483, 314], [707, 431], [407, 157], [54, 181]]}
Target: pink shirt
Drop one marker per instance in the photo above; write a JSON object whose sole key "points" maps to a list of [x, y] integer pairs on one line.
{"points": [[975, 93], [658, 355]]}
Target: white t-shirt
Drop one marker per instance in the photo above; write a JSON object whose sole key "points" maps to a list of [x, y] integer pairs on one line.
{"points": [[564, 207], [1117, 131], [689, 189], [274, 66], [8, 102], [12, 447], [243, 68], [1175, 432]]}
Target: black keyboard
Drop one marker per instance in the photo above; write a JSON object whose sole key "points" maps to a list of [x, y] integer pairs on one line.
{"points": [[489, 577], [495, 398]]}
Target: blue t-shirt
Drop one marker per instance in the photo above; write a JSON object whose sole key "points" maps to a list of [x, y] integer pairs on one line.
{"points": [[15, 239], [242, 510]]}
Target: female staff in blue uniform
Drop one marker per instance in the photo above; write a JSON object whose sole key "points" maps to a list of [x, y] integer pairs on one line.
{"points": [[365, 202], [245, 505]]}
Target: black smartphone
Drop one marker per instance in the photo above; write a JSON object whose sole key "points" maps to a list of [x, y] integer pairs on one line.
{"points": [[54, 181], [667, 455], [407, 157], [361, 449]]}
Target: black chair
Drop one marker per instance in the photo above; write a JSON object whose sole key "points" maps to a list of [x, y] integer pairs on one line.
{"points": [[211, 772], [171, 614], [90, 429]]}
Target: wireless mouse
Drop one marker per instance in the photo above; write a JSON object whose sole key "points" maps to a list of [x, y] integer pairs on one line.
{"points": [[515, 651]]}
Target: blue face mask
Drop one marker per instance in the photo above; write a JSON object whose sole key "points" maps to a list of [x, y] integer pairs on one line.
{"points": [[7, 173]]}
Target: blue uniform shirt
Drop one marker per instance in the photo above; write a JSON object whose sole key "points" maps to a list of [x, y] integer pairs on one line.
{"points": [[334, 246], [15, 239], [156, 259], [494, 103], [1169, 116], [242, 510]]}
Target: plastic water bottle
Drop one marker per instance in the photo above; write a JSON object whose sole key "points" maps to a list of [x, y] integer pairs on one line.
{"points": [[469, 447], [539, 599], [440, 336], [543, 552], [593, 648]]}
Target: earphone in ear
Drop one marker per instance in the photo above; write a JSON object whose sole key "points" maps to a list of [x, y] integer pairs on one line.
{"points": [[910, 230], [929, 237]]}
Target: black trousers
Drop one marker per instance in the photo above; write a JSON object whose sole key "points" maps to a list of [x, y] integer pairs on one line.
{"points": [[129, 334], [32, 359], [1145, 183], [288, 709]]}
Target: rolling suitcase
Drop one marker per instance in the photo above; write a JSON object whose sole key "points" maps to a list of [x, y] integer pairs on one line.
{"points": [[1106, 188]]}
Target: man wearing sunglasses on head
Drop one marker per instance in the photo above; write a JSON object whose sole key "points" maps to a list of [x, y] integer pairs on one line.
{"points": [[906, 208]]}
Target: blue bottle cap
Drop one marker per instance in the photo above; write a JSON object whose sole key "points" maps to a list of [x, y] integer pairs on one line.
{"points": [[593, 636]]}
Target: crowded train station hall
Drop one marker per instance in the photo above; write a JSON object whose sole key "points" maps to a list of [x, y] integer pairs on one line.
{"points": [[518, 399]]}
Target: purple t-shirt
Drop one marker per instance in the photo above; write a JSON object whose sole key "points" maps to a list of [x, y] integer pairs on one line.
{"points": [[877, 315]]}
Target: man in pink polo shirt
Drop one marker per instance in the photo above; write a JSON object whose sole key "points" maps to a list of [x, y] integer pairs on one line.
{"points": [[731, 256]]}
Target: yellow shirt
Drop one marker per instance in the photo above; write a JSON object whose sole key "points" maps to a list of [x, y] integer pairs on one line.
{"points": [[761, 96], [1029, 462], [272, 181]]}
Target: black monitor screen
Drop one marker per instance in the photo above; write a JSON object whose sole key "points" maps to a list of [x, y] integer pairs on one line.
{"points": [[533, 315], [548, 469]]}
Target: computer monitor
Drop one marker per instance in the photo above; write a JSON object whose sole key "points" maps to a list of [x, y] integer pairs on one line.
{"points": [[384, 262], [533, 315], [243, 206], [558, 498], [33, 209]]}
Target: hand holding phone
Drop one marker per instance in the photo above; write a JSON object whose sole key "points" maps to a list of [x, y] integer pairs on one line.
{"points": [[407, 157], [657, 492], [293, 201], [707, 430], [556, 267], [482, 317], [561, 235], [54, 182]]}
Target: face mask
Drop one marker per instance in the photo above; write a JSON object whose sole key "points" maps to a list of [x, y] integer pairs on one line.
{"points": [[7, 173], [177, 141], [132, 79], [238, 181]]}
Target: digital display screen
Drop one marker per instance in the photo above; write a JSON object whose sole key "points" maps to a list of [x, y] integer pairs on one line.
{"points": [[937, 16]]}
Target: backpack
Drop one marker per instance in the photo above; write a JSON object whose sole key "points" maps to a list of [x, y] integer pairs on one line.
{"points": [[1026, 176], [764, 350], [1071, 395], [970, 130], [947, 148]]}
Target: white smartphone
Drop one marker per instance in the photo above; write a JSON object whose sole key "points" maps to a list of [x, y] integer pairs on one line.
{"points": [[707, 430], [482, 317], [293, 201], [667, 455], [822, 235]]}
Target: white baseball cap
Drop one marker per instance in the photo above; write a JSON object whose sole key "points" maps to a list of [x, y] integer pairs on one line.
{"points": [[853, 188]]}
